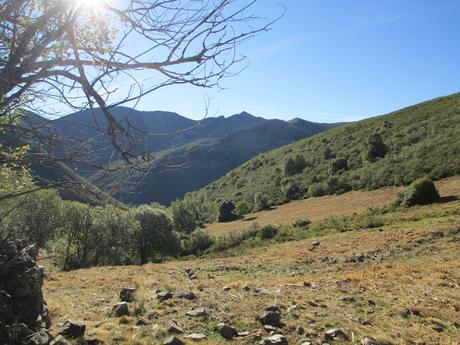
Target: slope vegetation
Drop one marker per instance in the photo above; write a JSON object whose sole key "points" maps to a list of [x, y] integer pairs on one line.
{"points": [[420, 140]]}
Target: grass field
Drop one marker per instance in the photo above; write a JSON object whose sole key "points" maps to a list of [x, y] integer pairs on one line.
{"points": [[397, 282], [316, 209]]}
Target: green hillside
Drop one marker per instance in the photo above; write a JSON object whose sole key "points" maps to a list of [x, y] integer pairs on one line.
{"points": [[421, 140]]}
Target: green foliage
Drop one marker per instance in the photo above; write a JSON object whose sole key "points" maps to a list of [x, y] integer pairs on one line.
{"points": [[243, 208], [301, 223], [185, 218], [294, 165], [267, 232], [339, 164], [420, 192], [420, 141], [225, 212], [154, 237], [261, 202], [291, 191], [375, 148], [196, 243]]}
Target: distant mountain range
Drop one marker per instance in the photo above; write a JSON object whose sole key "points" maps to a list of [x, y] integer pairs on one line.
{"points": [[200, 151]]}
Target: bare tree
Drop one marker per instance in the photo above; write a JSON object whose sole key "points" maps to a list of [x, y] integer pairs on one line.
{"points": [[104, 55]]}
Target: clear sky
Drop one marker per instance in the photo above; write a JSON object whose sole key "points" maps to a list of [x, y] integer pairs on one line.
{"points": [[336, 60]]}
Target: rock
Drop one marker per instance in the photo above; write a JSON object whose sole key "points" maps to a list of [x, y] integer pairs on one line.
{"points": [[196, 336], [186, 295], [277, 339], [199, 312], [40, 338], [315, 244], [59, 340], [227, 331], [93, 341], [271, 317], [334, 334], [191, 274], [127, 294], [141, 322], [348, 299], [406, 312], [306, 343], [226, 288], [22, 309], [369, 341], [73, 329], [300, 330], [173, 341], [163, 296], [370, 302], [270, 329], [243, 334], [120, 309], [174, 327]]}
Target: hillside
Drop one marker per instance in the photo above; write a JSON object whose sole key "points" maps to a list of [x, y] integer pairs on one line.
{"points": [[202, 151], [203, 161], [387, 275], [420, 141]]}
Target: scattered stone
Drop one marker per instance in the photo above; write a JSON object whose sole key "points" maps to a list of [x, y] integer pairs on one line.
{"points": [[227, 331], [277, 339], [196, 336], [120, 309], [163, 296], [40, 338], [364, 322], [186, 295], [355, 258], [59, 340], [173, 341], [349, 299], [410, 312], [191, 274], [270, 329], [127, 294], [315, 244], [141, 322], [306, 284], [300, 330], [221, 268], [370, 302], [227, 288], [247, 288], [306, 343], [369, 341], [334, 334], [73, 329], [199, 312], [174, 327], [93, 341], [271, 317], [243, 334]]}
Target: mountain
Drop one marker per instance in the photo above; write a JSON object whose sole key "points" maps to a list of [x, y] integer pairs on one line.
{"points": [[190, 153], [393, 149]]}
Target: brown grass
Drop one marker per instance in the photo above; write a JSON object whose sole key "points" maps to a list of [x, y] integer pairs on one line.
{"points": [[316, 209], [412, 265]]}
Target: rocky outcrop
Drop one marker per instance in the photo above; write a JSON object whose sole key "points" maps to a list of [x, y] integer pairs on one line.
{"points": [[23, 312]]}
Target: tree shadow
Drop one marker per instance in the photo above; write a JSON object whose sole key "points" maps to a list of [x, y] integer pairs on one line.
{"points": [[446, 199]]}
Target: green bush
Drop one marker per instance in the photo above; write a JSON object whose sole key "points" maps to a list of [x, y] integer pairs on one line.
{"points": [[261, 202], [420, 192], [243, 208], [301, 223], [375, 148], [225, 212], [268, 232], [339, 164], [294, 165], [197, 243], [292, 191]]}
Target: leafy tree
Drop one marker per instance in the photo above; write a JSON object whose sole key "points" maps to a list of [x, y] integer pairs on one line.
{"points": [[154, 238], [294, 165], [327, 153], [184, 218], [39, 216], [292, 191], [375, 148], [261, 202], [197, 243], [420, 192], [339, 164], [243, 208], [225, 212]]}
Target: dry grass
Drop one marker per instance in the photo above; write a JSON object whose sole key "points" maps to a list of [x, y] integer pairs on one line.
{"points": [[323, 207], [410, 267]]}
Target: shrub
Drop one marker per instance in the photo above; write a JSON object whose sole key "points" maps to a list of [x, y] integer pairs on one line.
{"points": [[420, 192], [338, 165], [317, 189], [225, 212], [155, 237], [301, 223], [197, 243], [291, 191], [243, 208], [328, 154], [294, 165], [261, 202], [375, 148], [268, 232], [184, 217]]}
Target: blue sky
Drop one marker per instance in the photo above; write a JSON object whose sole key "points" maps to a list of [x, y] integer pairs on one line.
{"points": [[336, 60]]}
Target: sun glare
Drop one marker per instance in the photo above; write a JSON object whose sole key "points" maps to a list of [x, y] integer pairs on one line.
{"points": [[92, 4]]}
